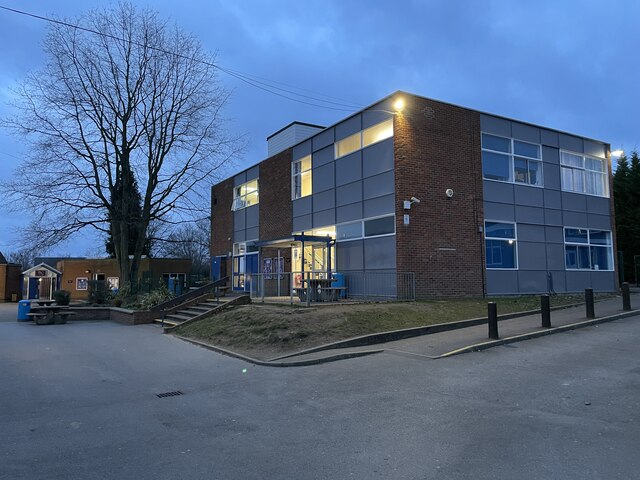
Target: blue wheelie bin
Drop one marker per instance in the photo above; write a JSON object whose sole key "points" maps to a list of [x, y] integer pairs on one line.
{"points": [[24, 307]]}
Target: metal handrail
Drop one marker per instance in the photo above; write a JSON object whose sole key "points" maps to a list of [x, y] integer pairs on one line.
{"points": [[190, 295]]}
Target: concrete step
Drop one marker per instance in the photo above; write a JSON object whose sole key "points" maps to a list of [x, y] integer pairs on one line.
{"points": [[178, 317], [166, 322], [194, 312]]}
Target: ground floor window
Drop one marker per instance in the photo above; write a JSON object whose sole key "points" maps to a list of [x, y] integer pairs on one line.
{"points": [[588, 249], [501, 245]]}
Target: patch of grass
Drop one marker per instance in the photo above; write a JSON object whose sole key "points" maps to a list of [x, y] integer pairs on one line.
{"points": [[266, 331]]}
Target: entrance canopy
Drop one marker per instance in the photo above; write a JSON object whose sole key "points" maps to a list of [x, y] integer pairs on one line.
{"points": [[294, 239]]}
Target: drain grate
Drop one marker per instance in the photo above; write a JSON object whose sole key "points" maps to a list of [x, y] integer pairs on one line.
{"points": [[169, 394]]}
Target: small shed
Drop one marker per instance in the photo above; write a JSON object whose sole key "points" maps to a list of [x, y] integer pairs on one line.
{"points": [[40, 282]]}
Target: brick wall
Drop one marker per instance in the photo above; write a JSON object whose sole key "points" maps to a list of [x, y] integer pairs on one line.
{"points": [[437, 147], [10, 282], [222, 220], [275, 196]]}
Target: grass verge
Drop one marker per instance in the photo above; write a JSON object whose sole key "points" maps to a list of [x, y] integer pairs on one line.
{"points": [[266, 331]]}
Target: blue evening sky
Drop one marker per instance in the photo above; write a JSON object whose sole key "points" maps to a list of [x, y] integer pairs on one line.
{"points": [[568, 65]]}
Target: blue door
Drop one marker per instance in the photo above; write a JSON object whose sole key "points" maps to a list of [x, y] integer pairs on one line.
{"points": [[251, 267], [34, 289]]}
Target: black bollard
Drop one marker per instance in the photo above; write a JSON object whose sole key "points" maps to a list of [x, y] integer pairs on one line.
{"points": [[545, 309], [492, 320], [588, 298], [626, 297]]}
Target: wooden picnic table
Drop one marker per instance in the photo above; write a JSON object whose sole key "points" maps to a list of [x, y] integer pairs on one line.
{"points": [[46, 303], [50, 314], [320, 290]]}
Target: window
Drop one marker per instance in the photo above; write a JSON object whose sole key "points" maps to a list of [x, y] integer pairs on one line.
{"points": [[500, 245], [366, 137], [380, 226], [113, 283], [349, 231], [301, 178], [509, 160], [82, 283], [586, 249], [584, 174], [245, 195]]}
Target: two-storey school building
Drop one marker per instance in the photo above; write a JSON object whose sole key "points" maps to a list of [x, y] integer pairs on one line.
{"points": [[471, 203]]}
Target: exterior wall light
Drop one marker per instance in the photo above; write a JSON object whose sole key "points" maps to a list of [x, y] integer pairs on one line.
{"points": [[617, 153], [398, 105]]}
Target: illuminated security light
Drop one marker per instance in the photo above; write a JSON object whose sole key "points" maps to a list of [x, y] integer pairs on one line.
{"points": [[398, 104], [617, 153]]}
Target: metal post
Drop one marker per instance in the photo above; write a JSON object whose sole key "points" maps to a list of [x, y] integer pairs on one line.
{"points": [[308, 290], [492, 320], [262, 287], [278, 271], [626, 297], [588, 298], [290, 283], [545, 309]]}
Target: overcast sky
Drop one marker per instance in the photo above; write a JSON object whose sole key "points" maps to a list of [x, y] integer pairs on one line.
{"points": [[568, 65]]}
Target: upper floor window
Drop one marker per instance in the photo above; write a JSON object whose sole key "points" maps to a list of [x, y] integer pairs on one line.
{"points": [[500, 245], [366, 137], [584, 174], [509, 160], [245, 195], [586, 249], [301, 177]]}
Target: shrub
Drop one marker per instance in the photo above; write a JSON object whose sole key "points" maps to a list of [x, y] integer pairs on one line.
{"points": [[62, 297], [97, 292], [156, 297]]}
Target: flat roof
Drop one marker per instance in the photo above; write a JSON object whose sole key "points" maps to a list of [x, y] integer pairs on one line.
{"points": [[304, 124]]}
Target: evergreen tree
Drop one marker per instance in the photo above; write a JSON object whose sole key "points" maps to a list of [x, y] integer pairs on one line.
{"points": [[626, 192]]}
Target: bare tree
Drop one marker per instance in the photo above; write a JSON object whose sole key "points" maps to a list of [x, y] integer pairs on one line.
{"points": [[189, 240], [134, 107]]}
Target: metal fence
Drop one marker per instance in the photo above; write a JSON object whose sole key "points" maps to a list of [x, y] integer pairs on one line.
{"points": [[310, 287]]}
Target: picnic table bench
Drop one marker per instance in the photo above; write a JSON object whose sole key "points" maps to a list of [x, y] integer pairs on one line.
{"points": [[320, 294], [50, 314]]}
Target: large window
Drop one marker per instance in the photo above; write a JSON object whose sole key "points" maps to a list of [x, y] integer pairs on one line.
{"points": [[366, 137], [584, 174], [509, 160], [371, 227], [245, 195], [301, 178], [500, 244], [586, 249]]}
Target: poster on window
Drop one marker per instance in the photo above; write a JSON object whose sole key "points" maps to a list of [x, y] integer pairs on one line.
{"points": [[280, 268], [267, 269]]}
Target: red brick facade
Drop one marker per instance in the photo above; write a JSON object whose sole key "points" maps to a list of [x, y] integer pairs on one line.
{"points": [[222, 221], [437, 147], [275, 196]]}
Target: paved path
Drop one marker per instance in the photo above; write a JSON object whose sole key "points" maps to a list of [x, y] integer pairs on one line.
{"points": [[78, 401]]}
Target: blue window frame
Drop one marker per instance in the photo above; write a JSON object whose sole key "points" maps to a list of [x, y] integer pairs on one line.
{"points": [[586, 249], [501, 245]]}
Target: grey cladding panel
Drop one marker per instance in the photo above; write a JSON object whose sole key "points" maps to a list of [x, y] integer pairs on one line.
{"points": [[547, 137], [379, 206], [551, 155], [323, 178], [302, 206], [240, 179], [532, 282], [526, 133], [552, 199], [349, 212], [598, 205], [252, 216], [239, 220], [596, 149], [496, 126], [379, 185], [380, 253], [324, 200], [601, 222], [253, 233], [555, 256], [574, 219], [552, 217], [603, 281], [551, 174], [378, 113], [502, 281], [349, 193], [322, 157], [559, 282], [323, 139], [501, 192], [324, 218], [499, 212], [377, 158], [554, 234], [578, 281], [302, 150], [350, 255], [348, 127], [300, 224], [531, 233], [239, 236], [253, 172], [531, 256], [574, 202], [529, 215], [349, 168], [571, 143], [529, 196]]}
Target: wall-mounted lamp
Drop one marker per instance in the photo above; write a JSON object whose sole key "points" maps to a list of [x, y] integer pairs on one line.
{"points": [[617, 153], [87, 271], [398, 105], [449, 192], [407, 203]]}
